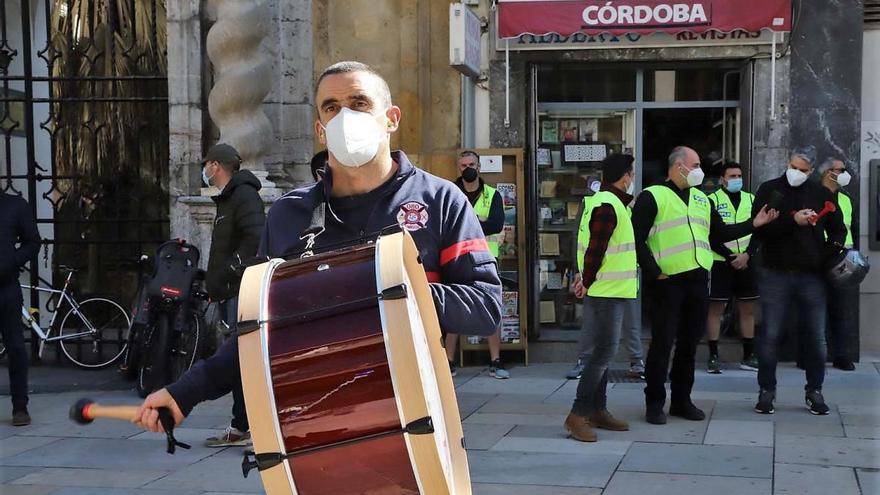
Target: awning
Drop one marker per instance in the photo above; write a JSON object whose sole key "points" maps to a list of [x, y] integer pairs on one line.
{"points": [[620, 17]]}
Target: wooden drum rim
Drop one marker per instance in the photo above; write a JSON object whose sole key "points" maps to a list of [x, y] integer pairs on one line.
{"points": [[256, 376], [397, 263]]}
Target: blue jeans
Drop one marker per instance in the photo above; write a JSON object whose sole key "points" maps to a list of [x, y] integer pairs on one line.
{"points": [[229, 314], [632, 334], [808, 291], [603, 320]]}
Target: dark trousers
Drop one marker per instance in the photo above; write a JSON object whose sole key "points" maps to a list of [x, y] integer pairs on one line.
{"points": [[13, 337], [808, 292], [842, 329], [678, 316], [229, 314], [603, 321]]}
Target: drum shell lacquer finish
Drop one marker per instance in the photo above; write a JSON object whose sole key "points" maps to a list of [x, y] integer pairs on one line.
{"points": [[334, 371]]}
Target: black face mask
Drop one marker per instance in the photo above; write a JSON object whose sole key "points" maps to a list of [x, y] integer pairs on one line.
{"points": [[469, 174]]}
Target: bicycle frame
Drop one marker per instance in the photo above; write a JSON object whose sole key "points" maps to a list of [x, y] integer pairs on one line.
{"points": [[63, 296]]}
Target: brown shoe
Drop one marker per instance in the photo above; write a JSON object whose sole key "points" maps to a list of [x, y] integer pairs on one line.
{"points": [[21, 418], [603, 419], [579, 428]]}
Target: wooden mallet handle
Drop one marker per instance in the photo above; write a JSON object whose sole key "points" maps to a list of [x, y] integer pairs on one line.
{"points": [[85, 411]]}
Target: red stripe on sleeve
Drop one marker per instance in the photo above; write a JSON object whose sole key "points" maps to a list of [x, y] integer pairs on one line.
{"points": [[453, 252], [434, 277]]}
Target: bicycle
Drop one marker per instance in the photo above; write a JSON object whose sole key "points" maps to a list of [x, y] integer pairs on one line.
{"points": [[166, 337], [87, 330]]}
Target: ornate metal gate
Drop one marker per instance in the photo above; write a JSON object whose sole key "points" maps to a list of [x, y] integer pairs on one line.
{"points": [[84, 133]]}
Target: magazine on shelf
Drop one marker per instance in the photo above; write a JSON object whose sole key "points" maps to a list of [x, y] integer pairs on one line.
{"points": [[507, 244], [507, 191], [509, 303], [550, 131], [510, 330]]}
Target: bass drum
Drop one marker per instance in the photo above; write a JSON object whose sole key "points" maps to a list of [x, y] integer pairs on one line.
{"points": [[345, 378]]}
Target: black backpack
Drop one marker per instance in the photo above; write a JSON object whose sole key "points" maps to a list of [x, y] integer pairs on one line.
{"points": [[176, 266]]}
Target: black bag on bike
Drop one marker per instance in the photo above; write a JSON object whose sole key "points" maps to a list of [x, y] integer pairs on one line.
{"points": [[174, 272]]}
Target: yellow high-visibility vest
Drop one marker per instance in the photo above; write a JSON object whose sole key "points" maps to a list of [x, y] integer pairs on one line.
{"points": [[618, 275], [679, 238], [731, 215]]}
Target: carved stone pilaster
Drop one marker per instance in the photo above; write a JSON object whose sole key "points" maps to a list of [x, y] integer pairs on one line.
{"points": [[242, 81]]}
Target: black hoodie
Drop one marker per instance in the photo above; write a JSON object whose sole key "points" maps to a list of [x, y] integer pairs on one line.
{"points": [[17, 226], [237, 230], [787, 246]]}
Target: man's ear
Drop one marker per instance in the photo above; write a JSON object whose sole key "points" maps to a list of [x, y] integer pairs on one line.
{"points": [[393, 114], [320, 132]]}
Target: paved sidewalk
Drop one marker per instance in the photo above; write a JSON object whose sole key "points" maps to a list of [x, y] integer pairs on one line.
{"points": [[514, 434]]}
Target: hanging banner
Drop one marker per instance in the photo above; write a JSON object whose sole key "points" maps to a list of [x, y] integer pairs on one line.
{"points": [[620, 17]]}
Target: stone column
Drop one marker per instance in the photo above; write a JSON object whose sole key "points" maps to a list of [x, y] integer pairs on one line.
{"points": [[242, 81]]}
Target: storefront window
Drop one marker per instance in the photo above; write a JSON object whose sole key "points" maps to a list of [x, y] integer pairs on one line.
{"points": [[571, 147], [695, 84], [572, 84]]}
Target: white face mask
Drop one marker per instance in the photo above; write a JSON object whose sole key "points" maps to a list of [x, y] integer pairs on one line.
{"points": [[694, 177], [795, 177], [354, 137], [843, 178], [631, 188]]}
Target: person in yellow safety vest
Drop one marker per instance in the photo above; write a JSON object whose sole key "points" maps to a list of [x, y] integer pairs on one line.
{"points": [[606, 258], [489, 207], [732, 274], [841, 331], [674, 225]]}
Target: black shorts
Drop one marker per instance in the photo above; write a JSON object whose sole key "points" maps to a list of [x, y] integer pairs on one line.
{"points": [[727, 282]]}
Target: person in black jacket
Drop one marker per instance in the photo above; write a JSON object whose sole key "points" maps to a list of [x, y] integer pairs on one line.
{"points": [[238, 227], [794, 252], [17, 226]]}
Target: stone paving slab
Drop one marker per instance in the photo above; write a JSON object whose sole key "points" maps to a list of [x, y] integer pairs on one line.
{"points": [[13, 446], [483, 437], [524, 468], [872, 432], [118, 491], [744, 433], [628, 483], [523, 405], [563, 445], [808, 428], [96, 429], [515, 419], [106, 454], [96, 478], [192, 436], [29, 490], [828, 451], [8, 474], [469, 402], [801, 479], [676, 431], [220, 472], [869, 481], [785, 413], [710, 460], [496, 489], [528, 386]]}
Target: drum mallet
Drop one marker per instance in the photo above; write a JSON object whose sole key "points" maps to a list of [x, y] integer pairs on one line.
{"points": [[84, 411]]}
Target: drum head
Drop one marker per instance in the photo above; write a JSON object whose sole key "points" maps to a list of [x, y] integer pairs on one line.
{"points": [[420, 371]]}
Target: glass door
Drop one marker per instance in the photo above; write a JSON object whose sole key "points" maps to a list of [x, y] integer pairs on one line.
{"points": [[571, 144]]}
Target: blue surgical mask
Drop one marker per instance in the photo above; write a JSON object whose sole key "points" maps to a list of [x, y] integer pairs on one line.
{"points": [[734, 185], [205, 178]]}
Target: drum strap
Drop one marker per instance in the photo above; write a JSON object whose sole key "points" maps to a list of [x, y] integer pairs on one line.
{"points": [[316, 227]]}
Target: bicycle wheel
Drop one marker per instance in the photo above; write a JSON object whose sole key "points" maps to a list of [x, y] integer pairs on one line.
{"points": [[94, 334], [153, 370], [186, 348]]}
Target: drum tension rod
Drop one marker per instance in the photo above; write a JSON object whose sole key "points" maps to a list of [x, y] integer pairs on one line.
{"points": [[266, 460], [389, 294]]}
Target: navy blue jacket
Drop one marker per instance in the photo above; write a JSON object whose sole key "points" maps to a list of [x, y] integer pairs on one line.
{"points": [[453, 250], [17, 226]]}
